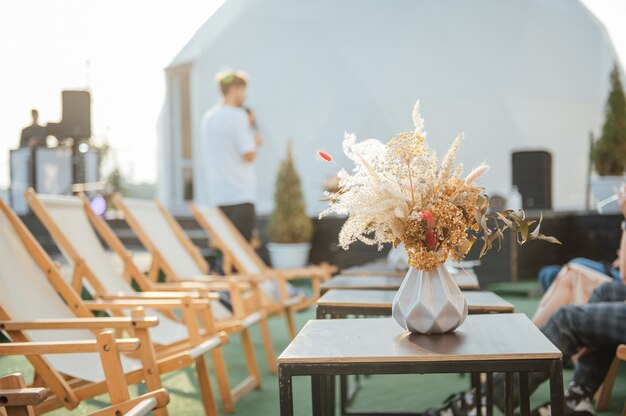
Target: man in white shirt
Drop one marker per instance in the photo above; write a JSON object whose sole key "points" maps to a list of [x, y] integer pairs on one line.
{"points": [[229, 148]]}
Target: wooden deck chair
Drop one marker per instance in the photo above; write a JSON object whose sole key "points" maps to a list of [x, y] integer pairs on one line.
{"points": [[181, 261], [18, 399], [92, 263], [603, 395], [238, 254], [32, 288]]}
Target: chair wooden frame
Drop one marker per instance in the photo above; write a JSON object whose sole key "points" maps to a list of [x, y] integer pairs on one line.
{"points": [[164, 358], [150, 292], [231, 263], [603, 396], [18, 399], [244, 303]]}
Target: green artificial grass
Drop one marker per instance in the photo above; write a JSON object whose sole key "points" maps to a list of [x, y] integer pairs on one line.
{"points": [[391, 393]]}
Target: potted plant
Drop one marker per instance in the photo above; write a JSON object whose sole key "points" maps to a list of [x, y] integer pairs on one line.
{"points": [[609, 151], [290, 228]]}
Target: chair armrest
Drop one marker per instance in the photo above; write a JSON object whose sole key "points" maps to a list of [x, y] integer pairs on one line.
{"points": [[23, 397], [256, 278], [218, 285], [80, 323], [302, 272], [64, 347], [137, 406], [156, 295], [191, 285], [164, 304]]}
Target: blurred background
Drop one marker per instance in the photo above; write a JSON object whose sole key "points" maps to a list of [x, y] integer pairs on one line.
{"points": [[526, 81]]}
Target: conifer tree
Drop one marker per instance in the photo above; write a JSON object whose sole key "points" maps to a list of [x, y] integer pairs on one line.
{"points": [[289, 222], [609, 152]]}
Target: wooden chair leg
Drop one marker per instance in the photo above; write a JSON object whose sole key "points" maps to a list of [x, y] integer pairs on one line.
{"points": [[251, 362], [268, 346], [204, 383], [112, 367], [603, 396], [291, 323], [147, 355], [228, 403]]}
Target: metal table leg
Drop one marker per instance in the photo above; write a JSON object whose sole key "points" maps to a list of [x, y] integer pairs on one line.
{"points": [[329, 395], [524, 395], [489, 394], [477, 393], [286, 392], [316, 395], [508, 394], [557, 401]]}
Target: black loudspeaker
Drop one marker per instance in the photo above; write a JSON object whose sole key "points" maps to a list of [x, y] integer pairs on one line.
{"points": [[77, 114], [532, 174], [76, 117]]}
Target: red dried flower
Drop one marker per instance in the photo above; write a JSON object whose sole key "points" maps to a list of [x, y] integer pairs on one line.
{"points": [[430, 239], [429, 218], [324, 156]]}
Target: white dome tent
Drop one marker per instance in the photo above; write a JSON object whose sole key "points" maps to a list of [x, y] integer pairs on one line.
{"points": [[513, 75]]}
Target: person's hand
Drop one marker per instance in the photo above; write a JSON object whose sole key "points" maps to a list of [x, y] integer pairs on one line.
{"points": [[621, 198], [258, 140], [251, 118]]}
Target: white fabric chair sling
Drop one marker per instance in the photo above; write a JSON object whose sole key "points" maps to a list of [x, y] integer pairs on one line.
{"points": [[50, 296], [68, 214], [61, 213], [27, 295], [239, 251], [159, 236]]}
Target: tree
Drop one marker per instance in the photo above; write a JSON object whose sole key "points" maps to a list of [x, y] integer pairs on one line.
{"points": [[609, 152], [289, 222]]}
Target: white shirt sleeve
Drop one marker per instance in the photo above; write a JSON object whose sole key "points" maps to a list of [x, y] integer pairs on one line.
{"points": [[243, 135]]}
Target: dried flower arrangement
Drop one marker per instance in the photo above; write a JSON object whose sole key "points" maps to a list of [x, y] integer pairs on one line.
{"points": [[398, 192]]}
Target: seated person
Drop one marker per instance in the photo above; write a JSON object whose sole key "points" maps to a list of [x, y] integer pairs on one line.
{"points": [[548, 274], [575, 282], [599, 326]]}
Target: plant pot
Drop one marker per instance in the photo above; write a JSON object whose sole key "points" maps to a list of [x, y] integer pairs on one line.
{"points": [[288, 256], [603, 187], [429, 302]]}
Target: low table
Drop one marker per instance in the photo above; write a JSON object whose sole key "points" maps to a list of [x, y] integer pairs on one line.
{"points": [[508, 343], [342, 282], [341, 303]]}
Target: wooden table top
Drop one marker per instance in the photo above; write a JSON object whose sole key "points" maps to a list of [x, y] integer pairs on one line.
{"points": [[476, 300], [466, 281], [382, 340]]}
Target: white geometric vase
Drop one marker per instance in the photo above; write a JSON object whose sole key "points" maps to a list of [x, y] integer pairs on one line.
{"points": [[429, 302]]}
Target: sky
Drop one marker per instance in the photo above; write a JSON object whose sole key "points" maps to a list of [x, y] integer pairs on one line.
{"points": [[116, 48], [119, 49]]}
